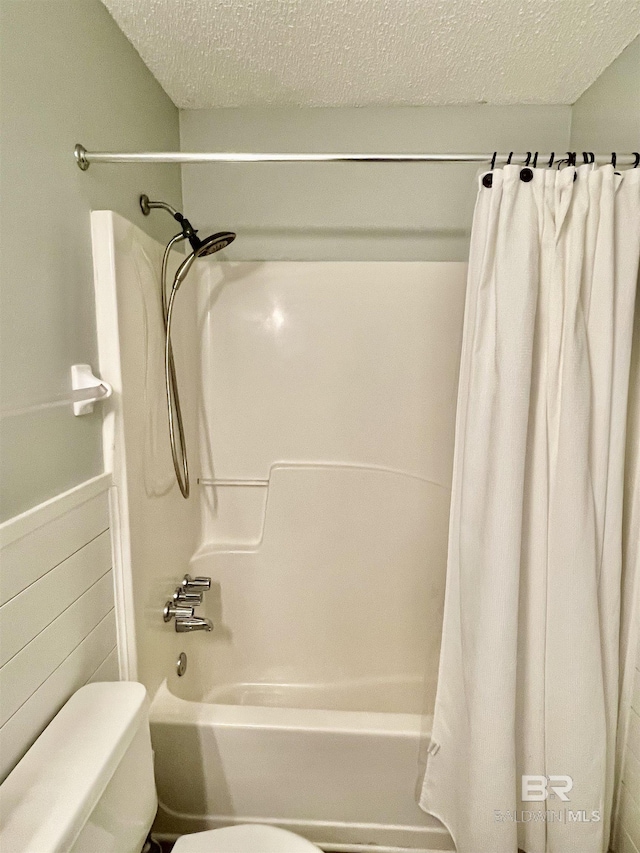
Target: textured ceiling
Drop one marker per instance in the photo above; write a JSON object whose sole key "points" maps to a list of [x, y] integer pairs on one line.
{"points": [[226, 53]]}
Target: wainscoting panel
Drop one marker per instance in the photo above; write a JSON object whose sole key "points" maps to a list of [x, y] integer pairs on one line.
{"points": [[57, 618]]}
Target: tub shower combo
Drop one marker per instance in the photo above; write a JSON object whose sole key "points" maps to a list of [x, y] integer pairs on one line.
{"points": [[300, 677], [294, 667]]}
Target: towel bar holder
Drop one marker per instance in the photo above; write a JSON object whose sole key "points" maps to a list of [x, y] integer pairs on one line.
{"points": [[87, 389]]}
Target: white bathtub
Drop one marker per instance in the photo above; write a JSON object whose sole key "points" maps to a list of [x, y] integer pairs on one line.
{"points": [[344, 779]]}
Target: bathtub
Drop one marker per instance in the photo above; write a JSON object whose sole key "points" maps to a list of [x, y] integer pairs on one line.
{"points": [[302, 757]]}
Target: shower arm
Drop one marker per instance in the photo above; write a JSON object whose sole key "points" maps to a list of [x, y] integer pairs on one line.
{"points": [[147, 206]]}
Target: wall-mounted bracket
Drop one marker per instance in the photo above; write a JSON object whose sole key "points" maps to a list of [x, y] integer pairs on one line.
{"points": [[87, 388], [80, 153]]}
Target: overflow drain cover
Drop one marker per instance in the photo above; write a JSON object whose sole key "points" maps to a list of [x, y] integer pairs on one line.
{"points": [[181, 664]]}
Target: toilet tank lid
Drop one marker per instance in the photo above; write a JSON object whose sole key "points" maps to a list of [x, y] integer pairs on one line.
{"points": [[46, 800]]}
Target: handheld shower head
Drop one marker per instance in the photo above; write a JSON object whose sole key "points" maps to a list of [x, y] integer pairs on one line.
{"points": [[208, 246], [211, 245], [199, 249]]}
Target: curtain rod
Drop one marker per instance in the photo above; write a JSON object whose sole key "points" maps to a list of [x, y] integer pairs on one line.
{"points": [[84, 158]]}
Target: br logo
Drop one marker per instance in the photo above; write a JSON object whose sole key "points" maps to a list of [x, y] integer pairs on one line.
{"points": [[536, 789]]}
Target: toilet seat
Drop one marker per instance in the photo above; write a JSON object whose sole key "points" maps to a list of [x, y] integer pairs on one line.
{"points": [[245, 838]]}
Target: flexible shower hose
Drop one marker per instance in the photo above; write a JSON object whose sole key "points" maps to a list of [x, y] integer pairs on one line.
{"points": [[180, 464]]}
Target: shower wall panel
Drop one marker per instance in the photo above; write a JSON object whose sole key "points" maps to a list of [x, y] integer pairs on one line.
{"points": [[154, 528], [327, 427]]}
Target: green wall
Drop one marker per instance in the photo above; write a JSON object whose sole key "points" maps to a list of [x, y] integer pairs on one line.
{"points": [[353, 211], [67, 75], [607, 116]]}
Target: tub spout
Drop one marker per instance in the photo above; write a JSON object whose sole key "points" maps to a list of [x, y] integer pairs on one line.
{"points": [[184, 624]]}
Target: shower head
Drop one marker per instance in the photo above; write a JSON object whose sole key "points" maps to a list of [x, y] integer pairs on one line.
{"points": [[201, 248], [211, 245]]}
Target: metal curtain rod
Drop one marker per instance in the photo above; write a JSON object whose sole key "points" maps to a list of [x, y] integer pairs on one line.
{"points": [[84, 158]]}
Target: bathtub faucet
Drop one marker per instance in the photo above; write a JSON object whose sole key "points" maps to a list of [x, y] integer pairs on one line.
{"points": [[187, 596], [185, 624]]}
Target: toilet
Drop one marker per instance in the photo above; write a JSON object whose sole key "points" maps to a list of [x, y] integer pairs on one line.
{"points": [[87, 786]]}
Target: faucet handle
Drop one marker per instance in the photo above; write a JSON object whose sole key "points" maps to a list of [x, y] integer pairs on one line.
{"points": [[190, 584], [180, 611], [182, 597]]}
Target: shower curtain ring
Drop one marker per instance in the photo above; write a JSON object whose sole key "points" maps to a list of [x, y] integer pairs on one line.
{"points": [[553, 154], [535, 160], [493, 160], [636, 161], [614, 159], [528, 160], [572, 162], [509, 158]]}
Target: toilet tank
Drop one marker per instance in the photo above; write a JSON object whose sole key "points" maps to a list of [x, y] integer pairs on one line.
{"points": [[86, 785]]}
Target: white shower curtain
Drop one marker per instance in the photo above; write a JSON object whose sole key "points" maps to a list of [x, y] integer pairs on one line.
{"points": [[528, 680]]}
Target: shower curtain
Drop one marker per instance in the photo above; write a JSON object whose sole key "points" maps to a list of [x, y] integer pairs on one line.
{"points": [[523, 739]]}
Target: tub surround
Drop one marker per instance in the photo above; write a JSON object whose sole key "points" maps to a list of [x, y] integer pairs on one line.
{"points": [[326, 403]]}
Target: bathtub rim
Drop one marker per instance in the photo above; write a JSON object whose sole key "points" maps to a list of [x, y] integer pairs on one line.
{"points": [[166, 706]]}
